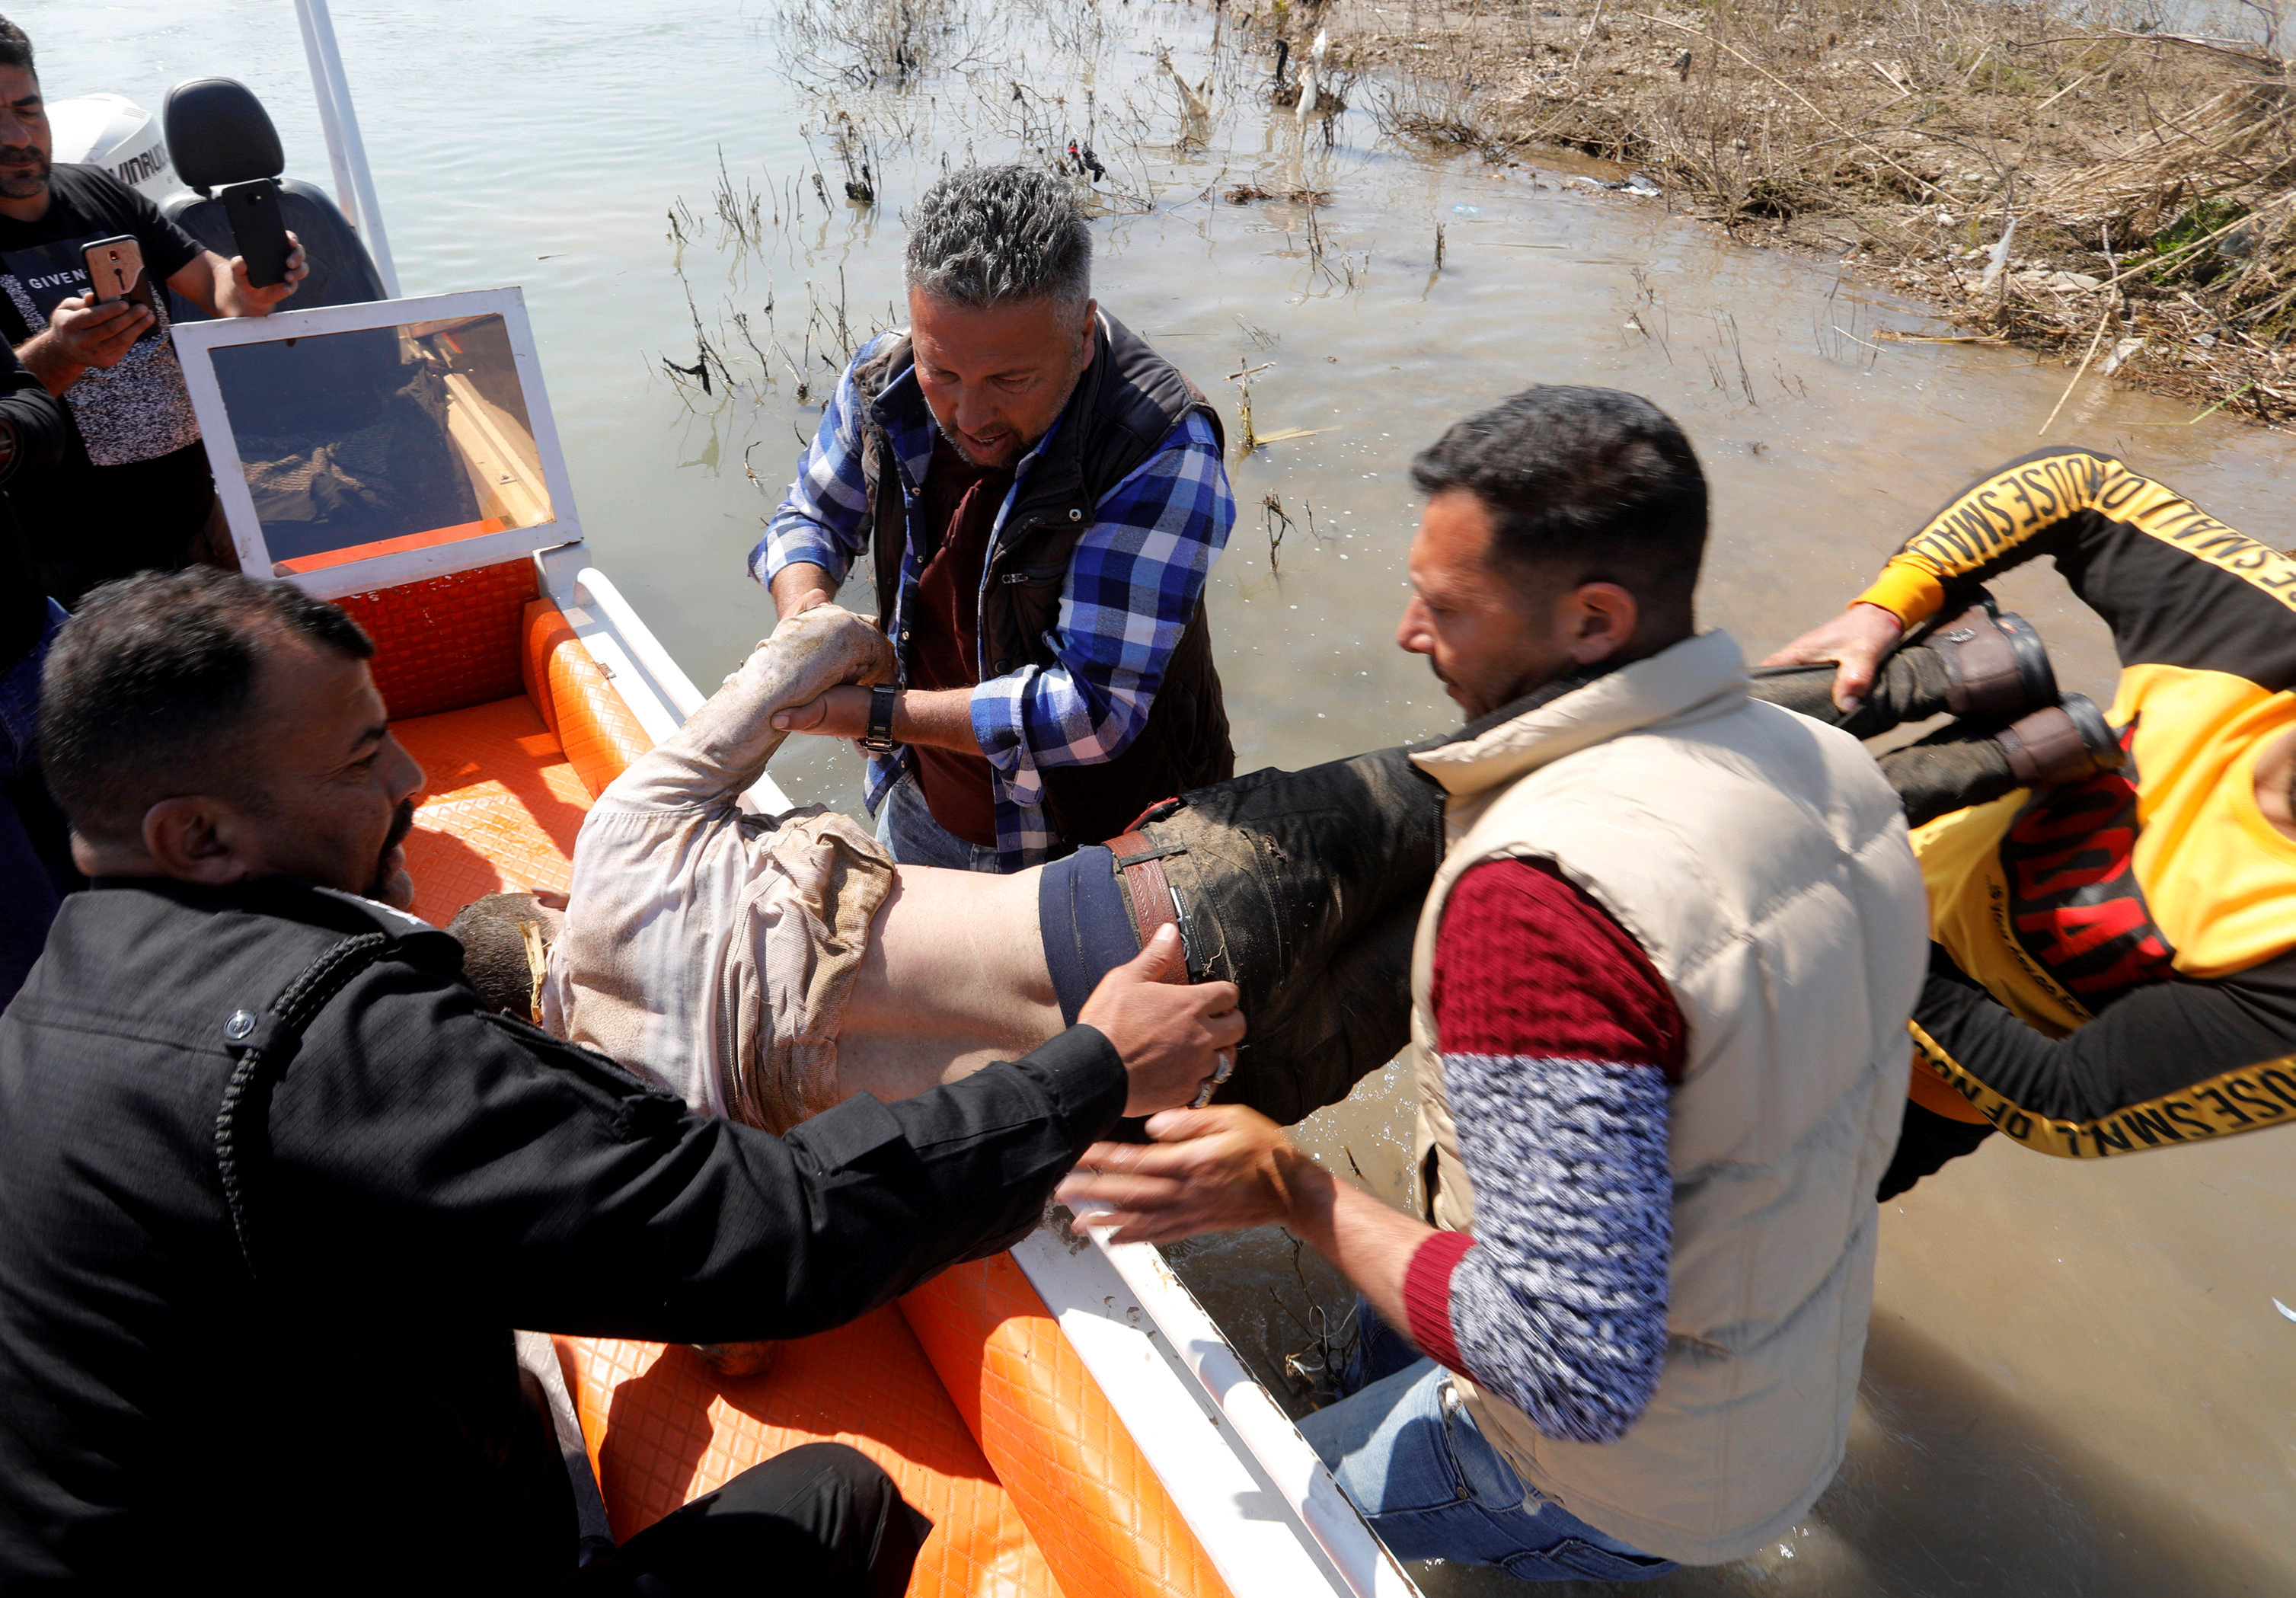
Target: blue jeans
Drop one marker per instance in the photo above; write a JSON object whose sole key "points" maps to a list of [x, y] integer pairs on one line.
{"points": [[1408, 1455], [906, 828]]}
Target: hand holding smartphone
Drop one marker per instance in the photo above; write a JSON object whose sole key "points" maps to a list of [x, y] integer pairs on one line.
{"points": [[116, 274], [115, 271], [259, 227]]}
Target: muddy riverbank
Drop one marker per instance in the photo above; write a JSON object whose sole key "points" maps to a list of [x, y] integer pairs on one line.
{"points": [[2086, 181]]}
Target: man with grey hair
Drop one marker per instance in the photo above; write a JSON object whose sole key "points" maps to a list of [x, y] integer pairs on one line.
{"points": [[1043, 497]]}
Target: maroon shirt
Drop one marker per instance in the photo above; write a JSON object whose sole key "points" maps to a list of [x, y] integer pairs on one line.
{"points": [[961, 501]]}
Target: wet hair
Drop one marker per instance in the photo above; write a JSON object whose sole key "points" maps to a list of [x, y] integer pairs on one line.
{"points": [[984, 237], [1589, 485], [494, 950], [15, 48], [148, 688]]}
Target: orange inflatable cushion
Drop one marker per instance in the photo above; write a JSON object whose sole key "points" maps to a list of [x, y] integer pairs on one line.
{"points": [[577, 700], [1108, 1527], [663, 1429], [499, 809]]}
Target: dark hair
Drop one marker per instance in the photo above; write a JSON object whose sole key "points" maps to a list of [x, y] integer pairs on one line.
{"points": [[145, 689], [989, 236], [15, 49], [1599, 484], [495, 961]]}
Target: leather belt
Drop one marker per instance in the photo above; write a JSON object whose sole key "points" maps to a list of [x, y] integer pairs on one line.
{"points": [[1140, 866]]}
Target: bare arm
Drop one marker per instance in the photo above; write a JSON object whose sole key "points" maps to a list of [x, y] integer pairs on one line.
{"points": [[939, 717], [1856, 640], [81, 334], [796, 582], [1228, 1167]]}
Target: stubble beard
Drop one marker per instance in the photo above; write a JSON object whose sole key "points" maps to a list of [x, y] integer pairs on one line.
{"points": [[970, 459], [392, 884], [15, 187]]}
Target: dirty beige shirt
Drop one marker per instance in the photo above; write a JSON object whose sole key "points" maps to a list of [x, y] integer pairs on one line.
{"points": [[708, 947]]}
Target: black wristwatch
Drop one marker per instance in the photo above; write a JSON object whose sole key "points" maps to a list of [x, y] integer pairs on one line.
{"points": [[880, 736]]}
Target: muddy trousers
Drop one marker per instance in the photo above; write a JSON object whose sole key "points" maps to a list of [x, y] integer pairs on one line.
{"points": [[821, 1519], [1304, 888], [1301, 888]]}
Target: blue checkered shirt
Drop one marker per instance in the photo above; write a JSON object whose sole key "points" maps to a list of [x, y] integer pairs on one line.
{"points": [[1135, 581]]}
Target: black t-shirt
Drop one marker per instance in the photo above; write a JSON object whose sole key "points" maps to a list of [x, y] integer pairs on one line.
{"points": [[134, 489], [135, 410]]}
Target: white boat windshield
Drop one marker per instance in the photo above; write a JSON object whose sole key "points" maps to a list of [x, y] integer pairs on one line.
{"points": [[360, 446], [358, 443]]}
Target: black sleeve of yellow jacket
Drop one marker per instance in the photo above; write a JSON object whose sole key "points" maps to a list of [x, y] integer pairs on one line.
{"points": [[430, 1154], [2169, 1062], [2177, 586]]}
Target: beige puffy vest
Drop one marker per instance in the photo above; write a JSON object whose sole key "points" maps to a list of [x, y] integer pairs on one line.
{"points": [[1761, 860]]}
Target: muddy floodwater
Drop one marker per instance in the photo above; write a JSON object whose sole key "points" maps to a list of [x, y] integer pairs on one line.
{"points": [[2079, 1379]]}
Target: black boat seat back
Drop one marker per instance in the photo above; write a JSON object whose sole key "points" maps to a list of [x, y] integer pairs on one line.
{"points": [[218, 134]]}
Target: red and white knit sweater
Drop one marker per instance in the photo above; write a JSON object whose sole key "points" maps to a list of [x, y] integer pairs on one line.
{"points": [[1559, 1043]]}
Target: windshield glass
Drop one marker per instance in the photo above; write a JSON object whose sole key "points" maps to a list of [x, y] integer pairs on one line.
{"points": [[359, 444]]}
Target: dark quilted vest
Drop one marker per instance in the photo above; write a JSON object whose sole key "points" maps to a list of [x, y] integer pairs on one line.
{"points": [[1125, 405]]}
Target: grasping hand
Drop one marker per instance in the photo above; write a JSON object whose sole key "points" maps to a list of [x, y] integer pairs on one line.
{"points": [[89, 334], [1857, 640], [1216, 1169], [1169, 1034], [840, 713], [260, 301]]}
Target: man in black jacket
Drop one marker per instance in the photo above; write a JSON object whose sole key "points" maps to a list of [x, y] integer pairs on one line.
{"points": [[277, 1186]]}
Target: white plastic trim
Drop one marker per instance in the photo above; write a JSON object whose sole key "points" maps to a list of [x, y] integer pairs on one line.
{"points": [[330, 126], [195, 344], [334, 91], [1263, 1505]]}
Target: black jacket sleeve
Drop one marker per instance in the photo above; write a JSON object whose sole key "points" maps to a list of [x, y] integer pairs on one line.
{"points": [[36, 425], [430, 1152], [34, 416], [2171, 1062], [2177, 586]]}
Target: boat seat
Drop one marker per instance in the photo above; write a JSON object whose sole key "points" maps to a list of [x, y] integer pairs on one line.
{"points": [[218, 134]]}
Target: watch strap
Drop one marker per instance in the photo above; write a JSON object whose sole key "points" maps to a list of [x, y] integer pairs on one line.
{"points": [[880, 736]]}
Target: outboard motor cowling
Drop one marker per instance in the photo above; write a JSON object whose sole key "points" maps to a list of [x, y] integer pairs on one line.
{"points": [[219, 134], [112, 132]]}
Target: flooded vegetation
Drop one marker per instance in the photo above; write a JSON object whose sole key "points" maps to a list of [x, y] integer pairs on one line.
{"points": [[2105, 181], [2076, 1380]]}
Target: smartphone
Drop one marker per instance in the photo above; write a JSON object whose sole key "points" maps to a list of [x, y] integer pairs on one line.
{"points": [[115, 271], [259, 230]]}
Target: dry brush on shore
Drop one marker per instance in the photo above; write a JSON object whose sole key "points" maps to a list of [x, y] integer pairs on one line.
{"points": [[2076, 178]]}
